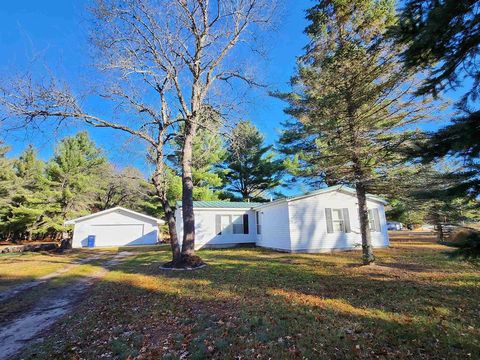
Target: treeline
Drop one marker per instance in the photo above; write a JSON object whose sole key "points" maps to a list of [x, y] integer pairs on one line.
{"points": [[36, 197]]}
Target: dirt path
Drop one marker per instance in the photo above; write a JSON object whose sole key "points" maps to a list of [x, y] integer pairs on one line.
{"points": [[24, 330], [15, 290]]}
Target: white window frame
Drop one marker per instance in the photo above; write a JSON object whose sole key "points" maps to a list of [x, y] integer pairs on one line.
{"points": [[339, 221], [372, 220]]}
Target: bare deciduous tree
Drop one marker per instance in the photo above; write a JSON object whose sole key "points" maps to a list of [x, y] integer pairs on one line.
{"points": [[162, 60]]}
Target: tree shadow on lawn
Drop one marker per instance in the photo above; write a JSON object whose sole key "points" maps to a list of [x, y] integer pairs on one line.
{"points": [[49, 261], [7, 283], [351, 258], [404, 308], [243, 305], [253, 274], [130, 313]]}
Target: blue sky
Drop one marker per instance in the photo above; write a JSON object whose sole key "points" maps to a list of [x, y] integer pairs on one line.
{"points": [[53, 33], [51, 36]]}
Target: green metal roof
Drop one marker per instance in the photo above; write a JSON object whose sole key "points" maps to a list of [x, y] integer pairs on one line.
{"points": [[222, 204]]}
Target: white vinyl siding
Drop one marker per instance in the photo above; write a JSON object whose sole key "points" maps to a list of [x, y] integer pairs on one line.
{"points": [[117, 228], [310, 229], [275, 227], [217, 227]]}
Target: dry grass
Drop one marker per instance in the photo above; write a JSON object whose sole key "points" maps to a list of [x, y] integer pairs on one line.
{"points": [[17, 268], [253, 303]]}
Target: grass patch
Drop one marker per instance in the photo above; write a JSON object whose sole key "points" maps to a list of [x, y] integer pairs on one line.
{"points": [[26, 300], [16, 268], [254, 303]]}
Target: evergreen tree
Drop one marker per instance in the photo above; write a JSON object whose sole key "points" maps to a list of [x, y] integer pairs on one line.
{"points": [[7, 189], [75, 173], [250, 168], [298, 142], [421, 193], [443, 36], [352, 98], [32, 201], [6, 177]]}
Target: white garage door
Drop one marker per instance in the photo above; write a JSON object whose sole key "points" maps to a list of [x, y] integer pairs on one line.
{"points": [[116, 235]]}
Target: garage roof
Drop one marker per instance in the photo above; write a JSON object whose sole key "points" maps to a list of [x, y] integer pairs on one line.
{"points": [[74, 221]]}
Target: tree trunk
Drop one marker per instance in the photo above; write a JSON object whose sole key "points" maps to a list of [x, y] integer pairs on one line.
{"points": [[359, 176], [169, 214], [188, 245], [172, 231], [367, 249]]}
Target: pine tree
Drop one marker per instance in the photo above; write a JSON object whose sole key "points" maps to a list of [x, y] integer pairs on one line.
{"points": [[6, 177], [75, 173], [444, 37], [422, 193], [7, 189], [32, 200], [352, 98], [250, 168]]}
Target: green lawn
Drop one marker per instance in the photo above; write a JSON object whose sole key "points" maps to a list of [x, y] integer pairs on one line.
{"points": [[252, 303]]}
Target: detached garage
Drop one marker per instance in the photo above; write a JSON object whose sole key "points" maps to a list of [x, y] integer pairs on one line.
{"points": [[114, 227]]}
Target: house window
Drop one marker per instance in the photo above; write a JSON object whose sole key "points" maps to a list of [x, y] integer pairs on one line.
{"points": [[231, 224], [374, 220], [338, 220], [225, 224], [259, 226], [238, 224]]}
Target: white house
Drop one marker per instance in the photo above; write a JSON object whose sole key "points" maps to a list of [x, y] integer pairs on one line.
{"points": [[322, 220], [114, 227]]}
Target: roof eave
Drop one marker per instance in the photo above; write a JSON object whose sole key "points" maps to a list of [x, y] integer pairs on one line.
{"points": [[86, 217]]}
